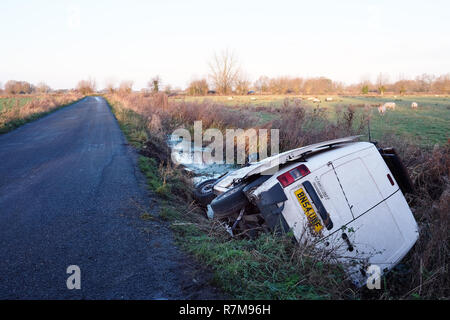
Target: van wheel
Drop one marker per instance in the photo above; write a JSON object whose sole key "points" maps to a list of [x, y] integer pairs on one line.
{"points": [[204, 192], [230, 202]]}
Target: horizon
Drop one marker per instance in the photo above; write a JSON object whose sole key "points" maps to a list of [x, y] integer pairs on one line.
{"points": [[105, 40]]}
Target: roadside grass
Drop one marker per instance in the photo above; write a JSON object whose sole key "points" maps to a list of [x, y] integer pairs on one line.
{"points": [[17, 111], [262, 268], [154, 180], [132, 125]]}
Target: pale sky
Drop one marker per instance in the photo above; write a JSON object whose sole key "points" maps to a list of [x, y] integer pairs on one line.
{"points": [[61, 42]]}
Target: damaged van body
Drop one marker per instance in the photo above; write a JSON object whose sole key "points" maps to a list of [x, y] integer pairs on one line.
{"points": [[340, 194]]}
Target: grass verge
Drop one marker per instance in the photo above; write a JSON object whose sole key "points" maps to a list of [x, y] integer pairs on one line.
{"points": [[34, 108]]}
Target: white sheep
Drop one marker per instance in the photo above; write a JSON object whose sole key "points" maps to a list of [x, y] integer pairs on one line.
{"points": [[382, 109], [390, 105], [414, 105]]}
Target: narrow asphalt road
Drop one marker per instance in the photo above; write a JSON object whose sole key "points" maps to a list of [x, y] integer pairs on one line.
{"points": [[71, 194]]}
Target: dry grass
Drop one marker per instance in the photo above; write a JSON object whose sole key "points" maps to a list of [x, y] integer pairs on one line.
{"points": [[16, 115], [424, 271]]}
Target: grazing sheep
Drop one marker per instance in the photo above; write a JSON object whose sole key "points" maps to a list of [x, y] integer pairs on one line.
{"points": [[414, 105], [382, 110], [329, 99], [316, 100], [390, 105]]}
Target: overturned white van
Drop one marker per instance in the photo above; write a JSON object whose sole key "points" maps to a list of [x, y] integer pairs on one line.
{"points": [[342, 195]]}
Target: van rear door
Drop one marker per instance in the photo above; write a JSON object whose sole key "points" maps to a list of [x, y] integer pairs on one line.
{"points": [[357, 182], [356, 185], [382, 228], [385, 234]]}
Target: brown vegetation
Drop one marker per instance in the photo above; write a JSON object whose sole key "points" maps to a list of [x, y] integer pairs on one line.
{"points": [[424, 271], [424, 84], [18, 87], [198, 87], [14, 116], [86, 86]]}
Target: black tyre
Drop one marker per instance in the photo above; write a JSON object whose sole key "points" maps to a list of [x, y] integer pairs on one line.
{"points": [[204, 192], [230, 202]]}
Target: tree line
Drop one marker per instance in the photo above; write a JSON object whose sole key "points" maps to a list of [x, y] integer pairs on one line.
{"points": [[227, 77], [24, 87]]}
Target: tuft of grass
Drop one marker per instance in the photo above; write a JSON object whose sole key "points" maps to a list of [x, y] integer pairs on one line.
{"points": [[150, 169], [268, 267], [168, 213], [147, 217], [131, 124]]}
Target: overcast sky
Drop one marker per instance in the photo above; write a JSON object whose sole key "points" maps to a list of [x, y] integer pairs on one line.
{"points": [[61, 42]]}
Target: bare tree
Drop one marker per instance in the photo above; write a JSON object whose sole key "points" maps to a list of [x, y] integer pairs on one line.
{"points": [[86, 86], [442, 84], [155, 84], [198, 87], [168, 89], [364, 85], [424, 82], [262, 84], [382, 81], [110, 85], [242, 84], [126, 87], [18, 87], [224, 71], [43, 88]]}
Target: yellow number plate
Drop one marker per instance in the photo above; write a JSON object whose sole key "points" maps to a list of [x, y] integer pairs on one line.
{"points": [[309, 210]]}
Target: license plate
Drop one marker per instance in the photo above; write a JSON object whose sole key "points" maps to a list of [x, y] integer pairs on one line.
{"points": [[309, 210]]}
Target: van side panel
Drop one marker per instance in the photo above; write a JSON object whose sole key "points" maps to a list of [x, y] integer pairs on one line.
{"points": [[404, 218]]}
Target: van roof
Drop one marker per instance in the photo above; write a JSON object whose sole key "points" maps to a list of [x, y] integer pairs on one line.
{"points": [[320, 158], [302, 152]]}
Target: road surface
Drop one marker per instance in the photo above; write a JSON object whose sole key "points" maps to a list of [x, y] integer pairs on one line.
{"points": [[71, 194]]}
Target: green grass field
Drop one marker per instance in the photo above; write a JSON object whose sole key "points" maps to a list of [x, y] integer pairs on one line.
{"points": [[18, 110], [427, 125], [6, 103]]}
